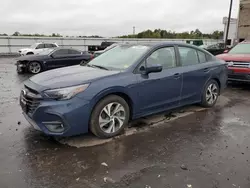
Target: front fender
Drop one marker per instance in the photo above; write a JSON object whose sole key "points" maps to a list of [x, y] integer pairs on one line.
{"points": [[109, 91]]}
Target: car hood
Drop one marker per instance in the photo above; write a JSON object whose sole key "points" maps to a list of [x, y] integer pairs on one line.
{"points": [[69, 76], [32, 57], [25, 49], [234, 57]]}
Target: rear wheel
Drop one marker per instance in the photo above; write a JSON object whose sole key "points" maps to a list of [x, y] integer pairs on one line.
{"points": [[109, 117], [83, 62], [34, 67], [210, 94]]}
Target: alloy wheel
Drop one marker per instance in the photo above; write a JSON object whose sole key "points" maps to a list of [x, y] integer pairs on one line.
{"points": [[34, 67], [212, 93], [112, 117]]}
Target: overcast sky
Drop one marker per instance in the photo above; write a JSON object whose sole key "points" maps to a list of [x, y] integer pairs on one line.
{"points": [[111, 17]]}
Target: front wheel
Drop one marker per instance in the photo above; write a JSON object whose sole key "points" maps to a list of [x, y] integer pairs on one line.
{"points": [[210, 94], [34, 67], [109, 117]]}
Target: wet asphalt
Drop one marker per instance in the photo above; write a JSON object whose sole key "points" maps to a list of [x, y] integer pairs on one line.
{"points": [[205, 149]]}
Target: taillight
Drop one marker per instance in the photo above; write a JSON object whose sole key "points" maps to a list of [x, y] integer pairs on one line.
{"points": [[92, 56]]}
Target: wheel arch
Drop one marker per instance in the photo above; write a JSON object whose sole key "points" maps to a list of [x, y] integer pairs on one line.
{"points": [[218, 82], [119, 92], [30, 53], [42, 65]]}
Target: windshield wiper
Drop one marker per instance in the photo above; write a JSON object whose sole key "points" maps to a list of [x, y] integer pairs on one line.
{"points": [[97, 66]]}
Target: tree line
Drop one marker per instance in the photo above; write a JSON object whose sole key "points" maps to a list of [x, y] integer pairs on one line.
{"points": [[158, 33], [43, 35]]}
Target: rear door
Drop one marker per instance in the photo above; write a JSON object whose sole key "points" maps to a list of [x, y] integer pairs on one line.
{"points": [[196, 72]]}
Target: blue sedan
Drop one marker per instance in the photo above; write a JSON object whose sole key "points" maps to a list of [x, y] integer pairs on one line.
{"points": [[127, 82]]}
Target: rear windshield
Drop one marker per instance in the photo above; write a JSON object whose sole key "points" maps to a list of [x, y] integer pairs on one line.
{"points": [[243, 48]]}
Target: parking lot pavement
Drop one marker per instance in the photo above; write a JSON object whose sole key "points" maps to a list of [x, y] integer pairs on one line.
{"points": [[205, 148]]}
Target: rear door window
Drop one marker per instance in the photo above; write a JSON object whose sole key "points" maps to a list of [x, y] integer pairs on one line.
{"points": [[188, 56], [48, 46], [74, 52], [202, 57]]}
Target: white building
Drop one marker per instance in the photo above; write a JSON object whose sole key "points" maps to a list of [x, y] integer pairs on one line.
{"points": [[233, 28], [244, 21]]}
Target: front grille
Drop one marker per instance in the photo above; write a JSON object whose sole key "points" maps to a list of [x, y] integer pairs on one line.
{"points": [[238, 64], [32, 100]]}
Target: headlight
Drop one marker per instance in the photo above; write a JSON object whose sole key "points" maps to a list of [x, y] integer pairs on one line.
{"points": [[65, 93]]}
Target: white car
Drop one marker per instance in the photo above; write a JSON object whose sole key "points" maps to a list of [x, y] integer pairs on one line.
{"points": [[36, 48]]}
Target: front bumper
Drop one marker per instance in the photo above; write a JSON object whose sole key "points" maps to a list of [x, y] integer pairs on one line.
{"points": [[71, 116], [21, 67]]}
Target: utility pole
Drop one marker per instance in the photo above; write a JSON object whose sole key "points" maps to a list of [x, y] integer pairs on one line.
{"points": [[134, 30], [228, 21]]}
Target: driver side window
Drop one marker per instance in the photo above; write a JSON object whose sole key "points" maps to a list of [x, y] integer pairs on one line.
{"points": [[163, 56]]}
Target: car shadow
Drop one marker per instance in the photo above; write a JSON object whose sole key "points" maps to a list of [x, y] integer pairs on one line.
{"points": [[239, 86]]}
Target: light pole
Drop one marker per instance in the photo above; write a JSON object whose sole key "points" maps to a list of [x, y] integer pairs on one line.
{"points": [[228, 21]]}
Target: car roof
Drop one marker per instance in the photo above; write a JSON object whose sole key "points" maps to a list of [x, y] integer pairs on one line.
{"points": [[45, 43], [160, 44]]}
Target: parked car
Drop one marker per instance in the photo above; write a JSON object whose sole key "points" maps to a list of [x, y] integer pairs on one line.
{"points": [[125, 83], [36, 48], [50, 59], [195, 42], [215, 49], [238, 61], [103, 46]]}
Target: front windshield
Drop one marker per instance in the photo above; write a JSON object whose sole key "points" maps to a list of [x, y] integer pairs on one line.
{"points": [[120, 57], [242, 48], [46, 51], [33, 46]]}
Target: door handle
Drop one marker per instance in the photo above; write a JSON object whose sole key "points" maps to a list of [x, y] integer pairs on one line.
{"points": [[177, 75], [206, 70]]}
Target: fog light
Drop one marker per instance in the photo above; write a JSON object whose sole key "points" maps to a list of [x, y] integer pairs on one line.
{"points": [[54, 126]]}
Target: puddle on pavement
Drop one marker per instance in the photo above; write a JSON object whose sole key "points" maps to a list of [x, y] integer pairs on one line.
{"points": [[137, 126]]}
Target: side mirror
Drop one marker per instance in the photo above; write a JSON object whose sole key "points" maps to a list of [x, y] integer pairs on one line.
{"points": [[226, 51], [52, 55], [152, 68]]}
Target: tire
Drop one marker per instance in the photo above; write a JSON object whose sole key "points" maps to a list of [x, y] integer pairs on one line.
{"points": [[34, 67], [83, 62], [30, 53], [210, 94], [112, 125]]}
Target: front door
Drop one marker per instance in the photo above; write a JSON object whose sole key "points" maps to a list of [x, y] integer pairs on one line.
{"points": [[59, 58], [159, 91]]}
